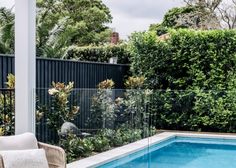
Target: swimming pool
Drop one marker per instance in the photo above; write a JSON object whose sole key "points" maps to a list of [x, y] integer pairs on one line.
{"points": [[181, 152]]}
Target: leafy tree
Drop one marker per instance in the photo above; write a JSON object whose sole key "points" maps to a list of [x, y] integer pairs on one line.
{"points": [[60, 111], [60, 24], [160, 29], [211, 5], [194, 17], [197, 14], [227, 13], [225, 10], [173, 18], [6, 31], [103, 108]]}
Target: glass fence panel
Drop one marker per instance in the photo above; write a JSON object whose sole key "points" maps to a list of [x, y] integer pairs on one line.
{"points": [[89, 121], [100, 119], [7, 111]]}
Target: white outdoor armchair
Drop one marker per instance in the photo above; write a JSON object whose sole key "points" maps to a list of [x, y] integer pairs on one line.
{"points": [[56, 156]]}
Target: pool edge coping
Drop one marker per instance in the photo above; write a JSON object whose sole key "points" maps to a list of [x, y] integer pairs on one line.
{"points": [[125, 150]]}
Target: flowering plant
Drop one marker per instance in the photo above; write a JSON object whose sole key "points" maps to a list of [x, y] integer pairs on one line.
{"points": [[103, 106], [60, 111]]}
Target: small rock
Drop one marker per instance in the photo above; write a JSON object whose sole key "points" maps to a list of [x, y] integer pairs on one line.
{"points": [[69, 128]]}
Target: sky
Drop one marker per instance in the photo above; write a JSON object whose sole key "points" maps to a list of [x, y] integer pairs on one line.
{"points": [[137, 15], [131, 15]]}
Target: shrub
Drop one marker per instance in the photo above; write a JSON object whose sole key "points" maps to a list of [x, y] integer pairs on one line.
{"points": [[60, 111], [101, 143], [103, 106], [99, 54], [188, 58], [130, 135], [121, 136], [135, 102], [202, 63], [172, 18], [76, 147], [7, 108], [117, 139]]}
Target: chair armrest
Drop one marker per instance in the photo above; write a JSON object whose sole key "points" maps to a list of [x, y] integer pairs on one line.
{"points": [[55, 155], [1, 162]]}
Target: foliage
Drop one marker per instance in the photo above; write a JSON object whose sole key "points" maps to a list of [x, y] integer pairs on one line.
{"points": [[160, 29], [125, 136], [10, 81], [6, 31], [196, 110], [103, 140], [172, 16], [101, 143], [103, 106], [7, 108], [214, 111], [64, 23], [187, 59], [135, 82], [60, 111], [99, 54], [61, 24], [106, 84], [2, 132], [135, 102], [118, 137], [208, 4], [197, 14], [192, 17], [193, 61], [76, 147]]}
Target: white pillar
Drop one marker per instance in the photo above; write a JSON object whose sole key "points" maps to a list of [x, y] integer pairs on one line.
{"points": [[25, 58]]}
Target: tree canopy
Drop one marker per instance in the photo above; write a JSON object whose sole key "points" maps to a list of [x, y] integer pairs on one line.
{"points": [[6, 31], [63, 23], [193, 17], [224, 10]]}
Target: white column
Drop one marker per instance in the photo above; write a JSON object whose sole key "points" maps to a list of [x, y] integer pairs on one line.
{"points": [[25, 51]]}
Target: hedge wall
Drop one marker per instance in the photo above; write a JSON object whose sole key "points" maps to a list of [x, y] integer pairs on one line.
{"points": [[99, 54], [197, 71]]}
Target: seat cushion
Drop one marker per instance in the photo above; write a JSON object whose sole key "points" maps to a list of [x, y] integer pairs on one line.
{"points": [[18, 142], [35, 158]]}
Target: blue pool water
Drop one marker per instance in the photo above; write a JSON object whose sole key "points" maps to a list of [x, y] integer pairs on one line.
{"points": [[181, 152]]}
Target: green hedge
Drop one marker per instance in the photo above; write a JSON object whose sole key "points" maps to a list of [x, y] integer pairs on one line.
{"points": [[202, 63], [99, 54], [187, 59]]}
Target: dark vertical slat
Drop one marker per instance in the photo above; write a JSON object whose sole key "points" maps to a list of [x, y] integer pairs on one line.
{"points": [[83, 74], [1, 74], [4, 71]]}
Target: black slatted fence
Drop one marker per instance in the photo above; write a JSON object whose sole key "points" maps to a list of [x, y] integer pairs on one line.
{"points": [[83, 74]]}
